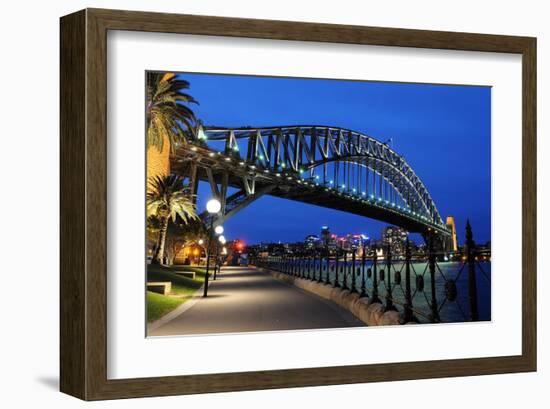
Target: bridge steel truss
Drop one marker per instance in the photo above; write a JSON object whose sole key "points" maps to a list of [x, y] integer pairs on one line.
{"points": [[327, 166]]}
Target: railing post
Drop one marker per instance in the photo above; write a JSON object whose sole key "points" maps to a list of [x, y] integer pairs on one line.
{"points": [[320, 276], [315, 266], [375, 277], [363, 263], [353, 281], [345, 283], [336, 267], [431, 266], [327, 277], [290, 264], [314, 270], [472, 283], [389, 296], [408, 295], [287, 263]]}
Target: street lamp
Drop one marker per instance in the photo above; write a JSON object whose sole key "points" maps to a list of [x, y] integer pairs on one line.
{"points": [[218, 229], [213, 206]]}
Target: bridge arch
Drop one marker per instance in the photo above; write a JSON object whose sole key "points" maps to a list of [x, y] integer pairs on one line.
{"points": [[404, 184], [292, 161]]}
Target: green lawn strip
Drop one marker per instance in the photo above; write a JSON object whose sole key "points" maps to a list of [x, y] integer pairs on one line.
{"points": [[183, 289], [159, 305], [200, 272]]}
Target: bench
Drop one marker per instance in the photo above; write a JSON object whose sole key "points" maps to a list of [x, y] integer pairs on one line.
{"points": [[188, 274], [160, 287]]}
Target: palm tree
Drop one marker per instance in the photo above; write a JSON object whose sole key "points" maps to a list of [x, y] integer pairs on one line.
{"points": [[169, 120], [167, 200]]}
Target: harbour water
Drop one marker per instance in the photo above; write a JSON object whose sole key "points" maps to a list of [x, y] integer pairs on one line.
{"points": [[452, 306]]}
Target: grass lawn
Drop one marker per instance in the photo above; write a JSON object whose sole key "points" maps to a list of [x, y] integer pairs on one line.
{"points": [[183, 289], [159, 305]]}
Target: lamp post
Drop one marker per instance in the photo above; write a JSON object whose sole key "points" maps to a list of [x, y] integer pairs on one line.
{"points": [[213, 206], [221, 239], [218, 230]]}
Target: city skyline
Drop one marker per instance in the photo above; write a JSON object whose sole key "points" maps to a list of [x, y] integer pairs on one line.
{"points": [[411, 117]]}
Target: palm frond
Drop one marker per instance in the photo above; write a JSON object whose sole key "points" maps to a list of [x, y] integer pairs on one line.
{"points": [[169, 196], [168, 116]]}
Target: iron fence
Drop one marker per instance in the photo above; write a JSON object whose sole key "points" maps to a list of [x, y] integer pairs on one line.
{"points": [[422, 287]]}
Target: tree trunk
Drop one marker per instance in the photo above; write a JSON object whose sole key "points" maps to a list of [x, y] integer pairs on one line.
{"points": [[158, 162], [159, 254]]}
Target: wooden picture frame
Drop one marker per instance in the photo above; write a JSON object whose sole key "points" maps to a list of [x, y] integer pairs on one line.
{"points": [[83, 230]]}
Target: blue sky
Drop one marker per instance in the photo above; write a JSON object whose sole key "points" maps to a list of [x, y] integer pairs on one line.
{"points": [[443, 131]]}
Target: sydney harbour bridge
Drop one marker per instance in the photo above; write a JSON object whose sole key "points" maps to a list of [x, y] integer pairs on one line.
{"points": [[322, 165]]}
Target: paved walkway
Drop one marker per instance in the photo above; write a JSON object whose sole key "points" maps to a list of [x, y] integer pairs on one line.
{"points": [[245, 299]]}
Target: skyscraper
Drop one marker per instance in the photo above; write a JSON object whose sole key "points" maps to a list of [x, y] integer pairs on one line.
{"points": [[396, 239]]}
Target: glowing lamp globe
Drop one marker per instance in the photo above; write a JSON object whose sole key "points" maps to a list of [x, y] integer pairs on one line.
{"points": [[213, 206], [218, 229]]}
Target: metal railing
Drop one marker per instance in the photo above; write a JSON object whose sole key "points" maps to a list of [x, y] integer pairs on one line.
{"points": [[422, 287]]}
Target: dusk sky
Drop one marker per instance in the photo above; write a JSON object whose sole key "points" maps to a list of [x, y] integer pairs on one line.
{"points": [[444, 133]]}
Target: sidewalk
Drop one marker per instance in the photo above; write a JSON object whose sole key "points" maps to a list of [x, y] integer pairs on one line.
{"points": [[245, 299]]}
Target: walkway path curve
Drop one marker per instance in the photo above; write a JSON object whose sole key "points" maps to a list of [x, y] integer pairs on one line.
{"points": [[244, 299]]}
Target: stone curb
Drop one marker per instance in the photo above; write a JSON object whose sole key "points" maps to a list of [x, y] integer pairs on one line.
{"points": [[371, 313]]}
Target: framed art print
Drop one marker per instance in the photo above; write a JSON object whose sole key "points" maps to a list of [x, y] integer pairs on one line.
{"points": [[251, 204]]}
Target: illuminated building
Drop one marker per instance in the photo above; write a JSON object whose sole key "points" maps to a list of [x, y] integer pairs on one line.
{"points": [[396, 239], [312, 241]]}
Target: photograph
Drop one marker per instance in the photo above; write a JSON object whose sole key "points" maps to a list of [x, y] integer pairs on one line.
{"points": [[284, 203]]}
